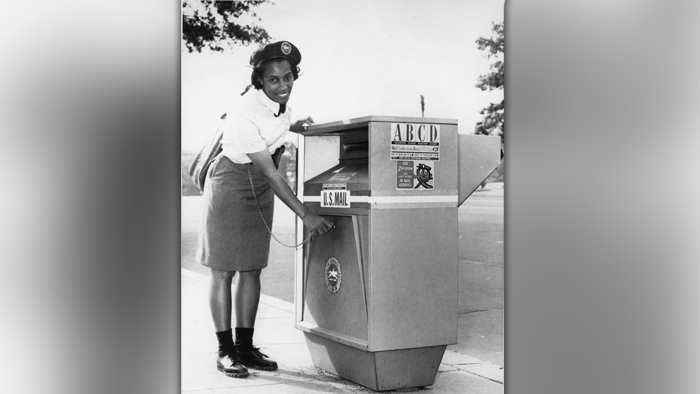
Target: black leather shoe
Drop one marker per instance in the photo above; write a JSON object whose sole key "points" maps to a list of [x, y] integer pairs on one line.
{"points": [[252, 358], [231, 365]]}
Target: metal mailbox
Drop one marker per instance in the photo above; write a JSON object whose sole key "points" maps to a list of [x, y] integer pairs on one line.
{"points": [[377, 297]]}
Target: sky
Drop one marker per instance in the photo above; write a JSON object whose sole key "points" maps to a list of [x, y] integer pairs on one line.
{"points": [[359, 58]]}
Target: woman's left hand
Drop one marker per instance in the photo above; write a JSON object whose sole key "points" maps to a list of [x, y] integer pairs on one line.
{"points": [[301, 125]]}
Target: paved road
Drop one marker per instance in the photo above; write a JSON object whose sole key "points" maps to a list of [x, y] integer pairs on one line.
{"points": [[481, 264]]}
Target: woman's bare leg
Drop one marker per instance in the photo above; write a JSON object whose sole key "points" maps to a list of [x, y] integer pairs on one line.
{"points": [[220, 298], [247, 297]]}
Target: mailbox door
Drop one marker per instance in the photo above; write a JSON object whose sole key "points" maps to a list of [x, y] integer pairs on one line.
{"points": [[335, 303]]}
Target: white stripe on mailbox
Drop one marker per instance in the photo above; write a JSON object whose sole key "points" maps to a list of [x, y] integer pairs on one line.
{"points": [[392, 199]]}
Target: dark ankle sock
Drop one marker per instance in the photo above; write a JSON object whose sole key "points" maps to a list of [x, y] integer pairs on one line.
{"points": [[225, 341], [244, 338]]}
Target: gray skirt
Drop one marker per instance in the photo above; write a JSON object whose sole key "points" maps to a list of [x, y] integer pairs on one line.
{"points": [[232, 235]]}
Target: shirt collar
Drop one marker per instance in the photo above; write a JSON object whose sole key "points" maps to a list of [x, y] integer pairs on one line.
{"points": [[267, 102]]}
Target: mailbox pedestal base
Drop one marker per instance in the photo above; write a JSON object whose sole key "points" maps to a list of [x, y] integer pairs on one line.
{"points": [[385, 370]]}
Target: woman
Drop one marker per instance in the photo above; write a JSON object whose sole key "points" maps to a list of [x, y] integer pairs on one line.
{"points": [[233, 238]]}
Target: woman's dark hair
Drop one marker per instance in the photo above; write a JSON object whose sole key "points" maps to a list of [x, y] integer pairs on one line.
{"points": [[257, 74]]}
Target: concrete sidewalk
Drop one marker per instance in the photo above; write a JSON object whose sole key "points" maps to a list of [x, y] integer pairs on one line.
{"points": [[277, 337]]}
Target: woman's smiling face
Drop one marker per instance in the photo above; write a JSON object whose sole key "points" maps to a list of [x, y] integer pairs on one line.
{"points": [[277, 80]]}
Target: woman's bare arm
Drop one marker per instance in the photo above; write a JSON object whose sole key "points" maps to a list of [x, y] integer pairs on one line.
{"points": [[315, 223]]}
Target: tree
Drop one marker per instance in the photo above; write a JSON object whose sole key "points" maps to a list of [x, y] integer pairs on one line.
{"points": [[209, 24], [493, 122]]}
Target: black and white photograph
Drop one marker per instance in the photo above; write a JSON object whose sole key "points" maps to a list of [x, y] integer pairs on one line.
{"points": [[310, 196], [342, 196]]}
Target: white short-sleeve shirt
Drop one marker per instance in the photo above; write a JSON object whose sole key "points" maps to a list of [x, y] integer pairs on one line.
{"points": [[252, 126]]}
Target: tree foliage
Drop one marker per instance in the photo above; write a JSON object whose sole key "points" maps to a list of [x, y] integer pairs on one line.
{"points": [[493, 122], [212, 24]]}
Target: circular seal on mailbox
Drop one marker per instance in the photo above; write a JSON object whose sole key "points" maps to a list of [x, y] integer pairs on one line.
{"points": [[286, 48], [333, 275]]}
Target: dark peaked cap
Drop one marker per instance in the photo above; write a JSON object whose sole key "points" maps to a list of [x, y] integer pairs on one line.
{"points": [[277, 50]]}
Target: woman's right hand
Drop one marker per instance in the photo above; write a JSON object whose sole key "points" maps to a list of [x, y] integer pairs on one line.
{"points": [[317, 225]]}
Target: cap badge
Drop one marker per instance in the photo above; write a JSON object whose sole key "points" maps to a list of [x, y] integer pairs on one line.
{"points": [[286, 48]]}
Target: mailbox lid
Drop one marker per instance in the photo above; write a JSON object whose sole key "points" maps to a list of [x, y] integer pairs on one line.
{"points": [[343, 126], [351, 176]]}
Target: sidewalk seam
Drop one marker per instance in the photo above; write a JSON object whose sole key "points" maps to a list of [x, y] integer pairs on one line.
{"points": [[480, 263]]}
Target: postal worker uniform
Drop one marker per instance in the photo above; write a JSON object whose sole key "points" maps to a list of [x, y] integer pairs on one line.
{"points": [[233, 236]]}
